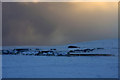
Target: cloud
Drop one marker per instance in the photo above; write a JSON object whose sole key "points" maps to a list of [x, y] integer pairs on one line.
{"points": [[57, 23]]}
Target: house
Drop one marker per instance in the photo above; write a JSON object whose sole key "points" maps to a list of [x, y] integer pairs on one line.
{"points": [[72, 48], [47, 53]]}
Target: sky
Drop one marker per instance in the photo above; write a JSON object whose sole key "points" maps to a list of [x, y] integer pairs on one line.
{"points": [[57, 23]]}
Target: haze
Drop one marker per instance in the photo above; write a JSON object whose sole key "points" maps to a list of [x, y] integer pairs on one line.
{"points": [[58, 23]]}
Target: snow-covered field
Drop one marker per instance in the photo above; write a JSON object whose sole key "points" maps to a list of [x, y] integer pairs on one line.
{"points": [[0, 66], [60, 67], [19, 66]]}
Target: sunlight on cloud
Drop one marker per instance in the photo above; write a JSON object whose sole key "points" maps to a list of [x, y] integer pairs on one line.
{"points": [[59, 23], [35, 1], [94, 6]]}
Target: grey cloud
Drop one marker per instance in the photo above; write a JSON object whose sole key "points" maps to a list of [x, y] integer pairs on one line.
{"points": [[57, 23]]}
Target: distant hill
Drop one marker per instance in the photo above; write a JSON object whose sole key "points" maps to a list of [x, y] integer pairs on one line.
{"points": [[109, 43]]}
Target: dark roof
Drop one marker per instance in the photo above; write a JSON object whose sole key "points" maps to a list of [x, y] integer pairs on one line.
{"points": [[73, 47]]}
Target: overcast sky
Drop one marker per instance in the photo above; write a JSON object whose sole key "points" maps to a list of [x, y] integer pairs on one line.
{"points": [[58, 23]]}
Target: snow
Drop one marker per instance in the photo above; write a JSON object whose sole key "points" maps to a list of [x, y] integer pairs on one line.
{"points": [[0, 66], [21, 66], [59, 67]]}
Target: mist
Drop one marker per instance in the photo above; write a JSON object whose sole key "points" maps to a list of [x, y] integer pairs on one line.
{"points": [[57, 23]]}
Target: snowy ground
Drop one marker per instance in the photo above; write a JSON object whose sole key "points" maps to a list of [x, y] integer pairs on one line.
{"points": [[18, 66], [0, 66], [59, 67]]}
